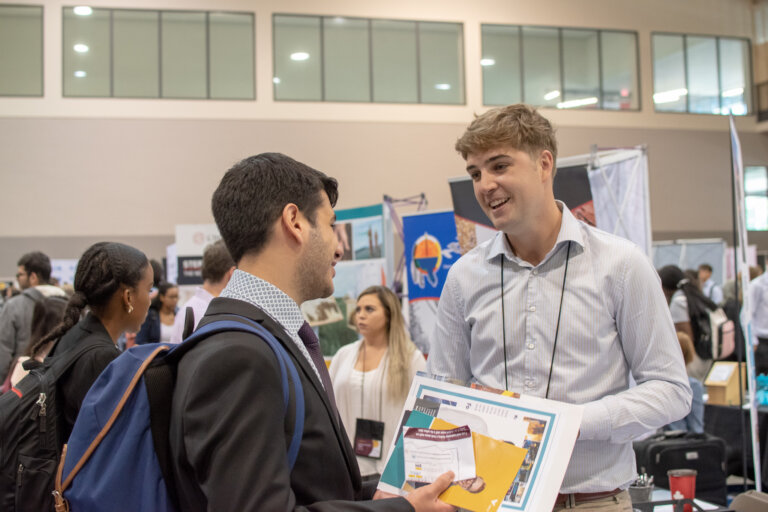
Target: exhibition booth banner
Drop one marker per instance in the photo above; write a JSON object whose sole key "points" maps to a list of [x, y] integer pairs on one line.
{"points": [[191, 241], [431, 247], [365, 234]]}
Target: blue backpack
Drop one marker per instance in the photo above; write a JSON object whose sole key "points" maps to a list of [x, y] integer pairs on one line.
{"points": [[121, 431]]}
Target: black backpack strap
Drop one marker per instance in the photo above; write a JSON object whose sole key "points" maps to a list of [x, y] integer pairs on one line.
{"points": [[189, 322]]}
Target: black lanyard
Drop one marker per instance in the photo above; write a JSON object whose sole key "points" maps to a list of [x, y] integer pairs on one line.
{"points": [[381, 382], [557, 328]]}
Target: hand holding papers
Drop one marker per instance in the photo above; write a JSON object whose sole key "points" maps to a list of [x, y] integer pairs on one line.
{"points": [[522, 445]]}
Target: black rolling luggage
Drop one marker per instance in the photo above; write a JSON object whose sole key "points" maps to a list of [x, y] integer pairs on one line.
{"points": [[685, 450]]}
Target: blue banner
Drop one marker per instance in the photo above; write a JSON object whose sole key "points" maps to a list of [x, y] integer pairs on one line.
{"points": [[431, 247]]}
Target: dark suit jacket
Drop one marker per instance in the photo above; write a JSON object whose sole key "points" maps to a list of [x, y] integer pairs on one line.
{"points": [[75, 383], [229, 434]]}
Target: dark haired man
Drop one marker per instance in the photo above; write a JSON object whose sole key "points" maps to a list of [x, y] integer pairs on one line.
{"points": [[552, 307], [709, 287], [229, 429], [33, 274], [216, 271]]}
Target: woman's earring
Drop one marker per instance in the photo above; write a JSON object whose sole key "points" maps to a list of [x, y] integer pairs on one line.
{"points": [[130, 309]]}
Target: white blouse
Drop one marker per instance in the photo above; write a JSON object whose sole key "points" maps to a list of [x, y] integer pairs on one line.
{"points": [[348, 385]]}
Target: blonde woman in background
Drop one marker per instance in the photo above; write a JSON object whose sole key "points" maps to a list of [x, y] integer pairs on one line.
{"points": [[371, 377]]}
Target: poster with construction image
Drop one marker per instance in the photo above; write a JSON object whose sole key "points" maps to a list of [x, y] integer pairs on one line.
{"points": [[363, 233]]}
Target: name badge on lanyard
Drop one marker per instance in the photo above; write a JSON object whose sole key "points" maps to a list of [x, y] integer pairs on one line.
{"points": [[369, 438], [369, 434]]}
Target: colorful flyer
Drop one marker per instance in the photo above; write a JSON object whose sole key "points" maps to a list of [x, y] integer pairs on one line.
{"points": [[505, 427]]}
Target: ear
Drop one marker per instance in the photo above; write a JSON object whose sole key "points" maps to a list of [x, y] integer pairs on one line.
{"points": [[293, 223], [127, 298], [546, 164], [33, 279]]}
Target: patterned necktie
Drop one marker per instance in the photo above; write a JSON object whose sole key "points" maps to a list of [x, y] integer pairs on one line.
{"points": [[307, 335]]}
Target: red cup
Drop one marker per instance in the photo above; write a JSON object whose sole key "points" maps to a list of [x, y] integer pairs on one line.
{"points": [[682, 484]]}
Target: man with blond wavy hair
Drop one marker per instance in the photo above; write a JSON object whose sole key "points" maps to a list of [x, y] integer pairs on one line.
{"points": [[554, 308]]}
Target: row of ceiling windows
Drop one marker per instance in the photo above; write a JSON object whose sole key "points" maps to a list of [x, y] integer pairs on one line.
{"points": [[133, 53]]}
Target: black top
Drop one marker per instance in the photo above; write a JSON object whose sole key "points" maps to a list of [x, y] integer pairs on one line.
{"points": [[75, 383]]}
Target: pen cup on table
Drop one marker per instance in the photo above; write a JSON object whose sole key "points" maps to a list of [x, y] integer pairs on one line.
{"points": [[682, 484]]}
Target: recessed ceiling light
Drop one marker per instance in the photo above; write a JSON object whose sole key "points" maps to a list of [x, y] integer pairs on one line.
{"points": [[82, 10], [442, 87], [487, 62], [80, 74], [80, 48], [276, 80], [581, 102], [669, 96], [299, 56]]}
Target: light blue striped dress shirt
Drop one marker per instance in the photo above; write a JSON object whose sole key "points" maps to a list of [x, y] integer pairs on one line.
{"points": [[615, 322]]}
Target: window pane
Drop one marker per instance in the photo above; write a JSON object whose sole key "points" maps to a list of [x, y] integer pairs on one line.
{"points": [[394, 61], [581, 72], [21, 51], [541, 66], [440, 58], [86, 53], [701, 53], [501, 65], [347, 59], [297, 58], [620, 81], [669, 87], [756, 195], [735, 81], [184, 63], [136, 55], [231, 54]]}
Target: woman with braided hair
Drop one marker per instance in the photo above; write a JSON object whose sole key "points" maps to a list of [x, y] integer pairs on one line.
{"points": [[113, 281]]}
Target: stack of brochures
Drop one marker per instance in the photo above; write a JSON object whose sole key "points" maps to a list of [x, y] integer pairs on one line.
{"points": [[507, 451]]}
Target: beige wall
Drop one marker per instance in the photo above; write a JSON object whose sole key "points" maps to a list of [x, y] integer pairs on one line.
{"points": [[76, 170]]}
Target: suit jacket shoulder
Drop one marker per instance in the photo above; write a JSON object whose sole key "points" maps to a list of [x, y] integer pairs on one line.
{"points": [[229, 430]]}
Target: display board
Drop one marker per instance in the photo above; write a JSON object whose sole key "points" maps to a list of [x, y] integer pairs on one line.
{"points": [[365, 234]]}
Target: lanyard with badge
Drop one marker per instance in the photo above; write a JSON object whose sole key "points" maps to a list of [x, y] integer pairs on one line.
{"points": [[557, 328], [369, 434]]}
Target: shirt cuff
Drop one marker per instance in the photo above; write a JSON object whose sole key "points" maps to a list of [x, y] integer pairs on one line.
{"points": [[596, 421]]}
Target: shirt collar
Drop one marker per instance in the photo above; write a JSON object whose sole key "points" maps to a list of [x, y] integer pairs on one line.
{"points": [[267, 297], [570, 231]]}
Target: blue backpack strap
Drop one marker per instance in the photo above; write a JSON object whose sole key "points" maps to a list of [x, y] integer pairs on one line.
{"points": [[244, 324]]}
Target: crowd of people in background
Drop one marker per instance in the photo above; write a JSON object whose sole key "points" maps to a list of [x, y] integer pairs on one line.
{"points": [[278, 250]]}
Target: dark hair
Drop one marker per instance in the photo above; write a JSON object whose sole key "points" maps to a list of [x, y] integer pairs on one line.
{"points": [[47, 314], [673, 278], [38, 263], [158, 271], [252, 194], [162, 289], [216, 262], [706, 266], [102, 269]]}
